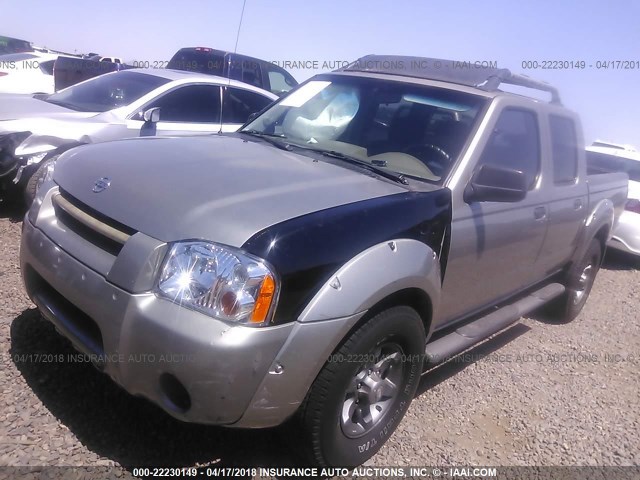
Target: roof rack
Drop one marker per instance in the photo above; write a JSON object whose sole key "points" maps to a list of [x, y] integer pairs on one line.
{"points": [[480, 75]]}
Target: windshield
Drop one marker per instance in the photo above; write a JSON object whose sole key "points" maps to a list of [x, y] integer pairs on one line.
{"points": [[405, 128], [603, 163], [107, 92]]}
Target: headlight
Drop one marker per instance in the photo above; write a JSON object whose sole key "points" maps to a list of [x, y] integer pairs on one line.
{"points": [[220, 281], [36, 158], [8, 144], [46, 177], [48, 166]]}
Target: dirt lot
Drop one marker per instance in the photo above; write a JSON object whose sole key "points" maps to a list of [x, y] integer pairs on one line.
{"points": [[536, 394]]}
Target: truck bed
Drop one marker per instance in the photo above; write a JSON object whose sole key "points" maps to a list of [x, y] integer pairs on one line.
{"points": [[611, 186], [69, 71]]}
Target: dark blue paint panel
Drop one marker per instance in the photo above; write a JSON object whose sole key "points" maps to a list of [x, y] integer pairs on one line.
{"points": [[307, 250]]}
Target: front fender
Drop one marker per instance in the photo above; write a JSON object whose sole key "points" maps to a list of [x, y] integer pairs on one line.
{"points": [[42, 143], [342, 301], [9, 161], [30, 163], [375, 274]]}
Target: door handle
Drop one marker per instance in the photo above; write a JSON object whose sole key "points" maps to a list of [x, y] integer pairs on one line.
{"points": [[577, 204], [539, 213]]}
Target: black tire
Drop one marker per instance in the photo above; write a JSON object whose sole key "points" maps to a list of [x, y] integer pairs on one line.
{"points": [[580, 279], [392, 343], [35, 177]]}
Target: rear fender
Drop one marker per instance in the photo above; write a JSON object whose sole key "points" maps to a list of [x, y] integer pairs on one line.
{"points": [[601, 218]]}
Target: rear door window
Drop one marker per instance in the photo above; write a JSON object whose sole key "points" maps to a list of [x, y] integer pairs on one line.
{"points": [[564, 149], [240, 103]]}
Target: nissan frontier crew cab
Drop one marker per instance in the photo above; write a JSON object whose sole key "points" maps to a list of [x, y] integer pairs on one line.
{"points": [[378, 220]]}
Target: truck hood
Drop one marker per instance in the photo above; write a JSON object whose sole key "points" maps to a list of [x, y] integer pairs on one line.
{"points": [[219, 188]]}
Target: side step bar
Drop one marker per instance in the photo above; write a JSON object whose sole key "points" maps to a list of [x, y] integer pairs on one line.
{"points": [[468, 335]]}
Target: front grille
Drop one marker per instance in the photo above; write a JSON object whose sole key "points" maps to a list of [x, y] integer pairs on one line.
{"points": [[86, 222]]}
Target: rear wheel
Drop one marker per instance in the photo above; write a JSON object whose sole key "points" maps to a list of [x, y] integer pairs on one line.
{"points": [[579, 283], [364, 390]]}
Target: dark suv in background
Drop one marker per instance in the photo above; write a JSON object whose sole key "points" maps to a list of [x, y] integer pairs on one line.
{"points": [[247, 69]]}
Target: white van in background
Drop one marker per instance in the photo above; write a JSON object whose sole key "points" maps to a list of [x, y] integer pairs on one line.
{"points": [[605, 157]]}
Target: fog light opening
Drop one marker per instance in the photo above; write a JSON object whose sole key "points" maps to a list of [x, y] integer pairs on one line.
{"points": [[175, 394]]}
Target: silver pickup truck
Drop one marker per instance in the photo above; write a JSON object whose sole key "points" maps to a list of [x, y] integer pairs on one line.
{"points": [[376, 221]]}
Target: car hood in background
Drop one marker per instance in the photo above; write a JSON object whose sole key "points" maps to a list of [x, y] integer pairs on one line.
{"points": [[15, 106], [218, 188], [50, 125]]}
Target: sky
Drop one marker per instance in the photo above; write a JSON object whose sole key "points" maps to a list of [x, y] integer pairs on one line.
{"points": [[331, 32]]}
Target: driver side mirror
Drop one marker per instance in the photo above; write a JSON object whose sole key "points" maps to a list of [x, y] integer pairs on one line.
{"points": [[152, 115], [492, 183]]}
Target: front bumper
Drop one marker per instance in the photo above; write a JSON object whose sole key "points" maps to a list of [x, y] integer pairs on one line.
{"points": [[196, 368], [626, 236]]}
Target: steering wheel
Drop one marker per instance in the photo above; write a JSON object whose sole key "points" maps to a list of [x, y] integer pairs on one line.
{"points": [[425, 152]]}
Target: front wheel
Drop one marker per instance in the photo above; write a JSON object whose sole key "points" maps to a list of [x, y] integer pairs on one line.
{"points": [[364, 390], [579, 283]]}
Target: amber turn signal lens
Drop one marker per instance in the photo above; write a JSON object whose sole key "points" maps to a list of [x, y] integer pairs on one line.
{"points": [[265, 296]]}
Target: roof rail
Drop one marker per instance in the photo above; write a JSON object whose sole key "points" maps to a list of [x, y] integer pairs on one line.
{"points": [[483, 75]]}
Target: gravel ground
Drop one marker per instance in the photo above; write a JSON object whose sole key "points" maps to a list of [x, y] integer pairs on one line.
{"points": [[536, 394]]}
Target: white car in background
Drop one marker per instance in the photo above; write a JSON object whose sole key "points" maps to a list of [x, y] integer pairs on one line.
{"points": [[605, 158], [100, 58], [27, 72], [124, 104]]}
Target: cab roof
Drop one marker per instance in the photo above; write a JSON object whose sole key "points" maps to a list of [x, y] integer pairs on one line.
{"points": [[482, 76]]}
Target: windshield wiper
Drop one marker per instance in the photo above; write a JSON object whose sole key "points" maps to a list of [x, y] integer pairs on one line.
{"points": [[269, 138], [396, 177]]}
